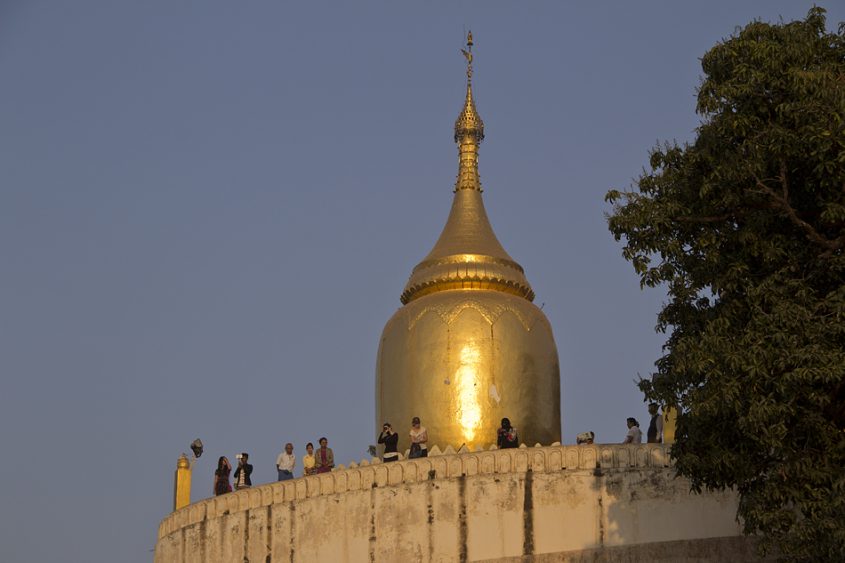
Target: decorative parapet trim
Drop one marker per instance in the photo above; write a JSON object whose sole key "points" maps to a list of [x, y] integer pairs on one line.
{"points": [[444, 466], [491, 312]]}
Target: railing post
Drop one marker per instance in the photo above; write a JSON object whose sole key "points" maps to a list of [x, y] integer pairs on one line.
{"points": [[182, 483]]}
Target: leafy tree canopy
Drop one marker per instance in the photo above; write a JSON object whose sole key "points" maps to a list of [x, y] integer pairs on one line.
{"points": [[745, 228]]}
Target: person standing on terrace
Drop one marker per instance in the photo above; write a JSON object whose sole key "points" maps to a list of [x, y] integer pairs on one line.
{"points": [[324, 457], [243, 472], [419, 437], [390, 439], [654, 434], [221, 477]]}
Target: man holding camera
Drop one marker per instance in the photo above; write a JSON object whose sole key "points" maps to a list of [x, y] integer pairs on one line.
{"points": [[242, 473], [390, 439]]}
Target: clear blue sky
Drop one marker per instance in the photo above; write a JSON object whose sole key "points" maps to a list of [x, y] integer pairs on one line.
{"points": [[208, 211]]}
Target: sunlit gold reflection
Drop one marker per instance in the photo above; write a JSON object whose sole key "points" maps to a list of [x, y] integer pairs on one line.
{"points": [[467, 382]]}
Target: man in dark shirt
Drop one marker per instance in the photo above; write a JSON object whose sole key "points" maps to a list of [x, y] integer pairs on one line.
{"points": [[654, 434], [242, 473]]}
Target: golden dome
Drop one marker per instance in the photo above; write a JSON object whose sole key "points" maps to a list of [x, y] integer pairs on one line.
{"points": [[469, 347]]}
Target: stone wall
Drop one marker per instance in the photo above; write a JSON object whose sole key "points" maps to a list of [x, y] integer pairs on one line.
{"points": [[558, 503]]}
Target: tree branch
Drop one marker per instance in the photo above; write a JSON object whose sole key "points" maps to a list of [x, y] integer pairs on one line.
{"points": [[783, 182], [707, 219], [783, 205]]}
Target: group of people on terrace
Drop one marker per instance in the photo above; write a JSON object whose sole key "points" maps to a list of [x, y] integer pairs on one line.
{"points": [[506, 437], [313, 462], [322, 460], [242, 474], [654, 434]]}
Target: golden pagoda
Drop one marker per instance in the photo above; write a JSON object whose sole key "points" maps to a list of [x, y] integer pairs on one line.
{"points": [[469, 347]]}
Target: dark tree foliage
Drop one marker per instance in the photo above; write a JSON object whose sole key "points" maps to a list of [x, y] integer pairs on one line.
{"points": [[745, 228]]}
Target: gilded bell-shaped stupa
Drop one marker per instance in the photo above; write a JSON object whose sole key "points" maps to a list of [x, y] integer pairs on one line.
{"points": [[469, 347]]}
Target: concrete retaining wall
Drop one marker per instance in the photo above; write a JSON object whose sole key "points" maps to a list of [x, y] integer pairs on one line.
{"points": [[559, 503]]}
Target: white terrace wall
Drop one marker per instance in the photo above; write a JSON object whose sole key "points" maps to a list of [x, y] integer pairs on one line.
{"points": [[542, 504]]}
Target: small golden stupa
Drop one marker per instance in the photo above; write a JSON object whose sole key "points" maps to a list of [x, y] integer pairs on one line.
{"points": [[469, 347]]}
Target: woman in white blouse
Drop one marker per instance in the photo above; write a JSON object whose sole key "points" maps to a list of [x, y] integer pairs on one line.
{"points": [[419, 437]]}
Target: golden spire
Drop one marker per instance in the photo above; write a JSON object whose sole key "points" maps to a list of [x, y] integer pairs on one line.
{"points": [[469, 132], [467, 255]]}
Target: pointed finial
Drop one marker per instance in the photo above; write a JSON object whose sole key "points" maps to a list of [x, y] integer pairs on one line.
{"points": [[469, 122], [468, 55]]}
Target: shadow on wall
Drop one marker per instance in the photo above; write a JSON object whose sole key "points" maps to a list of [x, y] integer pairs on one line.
{"points": [[650, 515]]}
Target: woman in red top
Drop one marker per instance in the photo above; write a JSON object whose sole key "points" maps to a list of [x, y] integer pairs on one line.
{"points": [[324, 457]]}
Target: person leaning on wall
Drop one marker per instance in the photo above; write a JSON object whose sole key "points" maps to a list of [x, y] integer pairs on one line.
{"points": [[309, 462], [634, 435], [285, 463]]}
